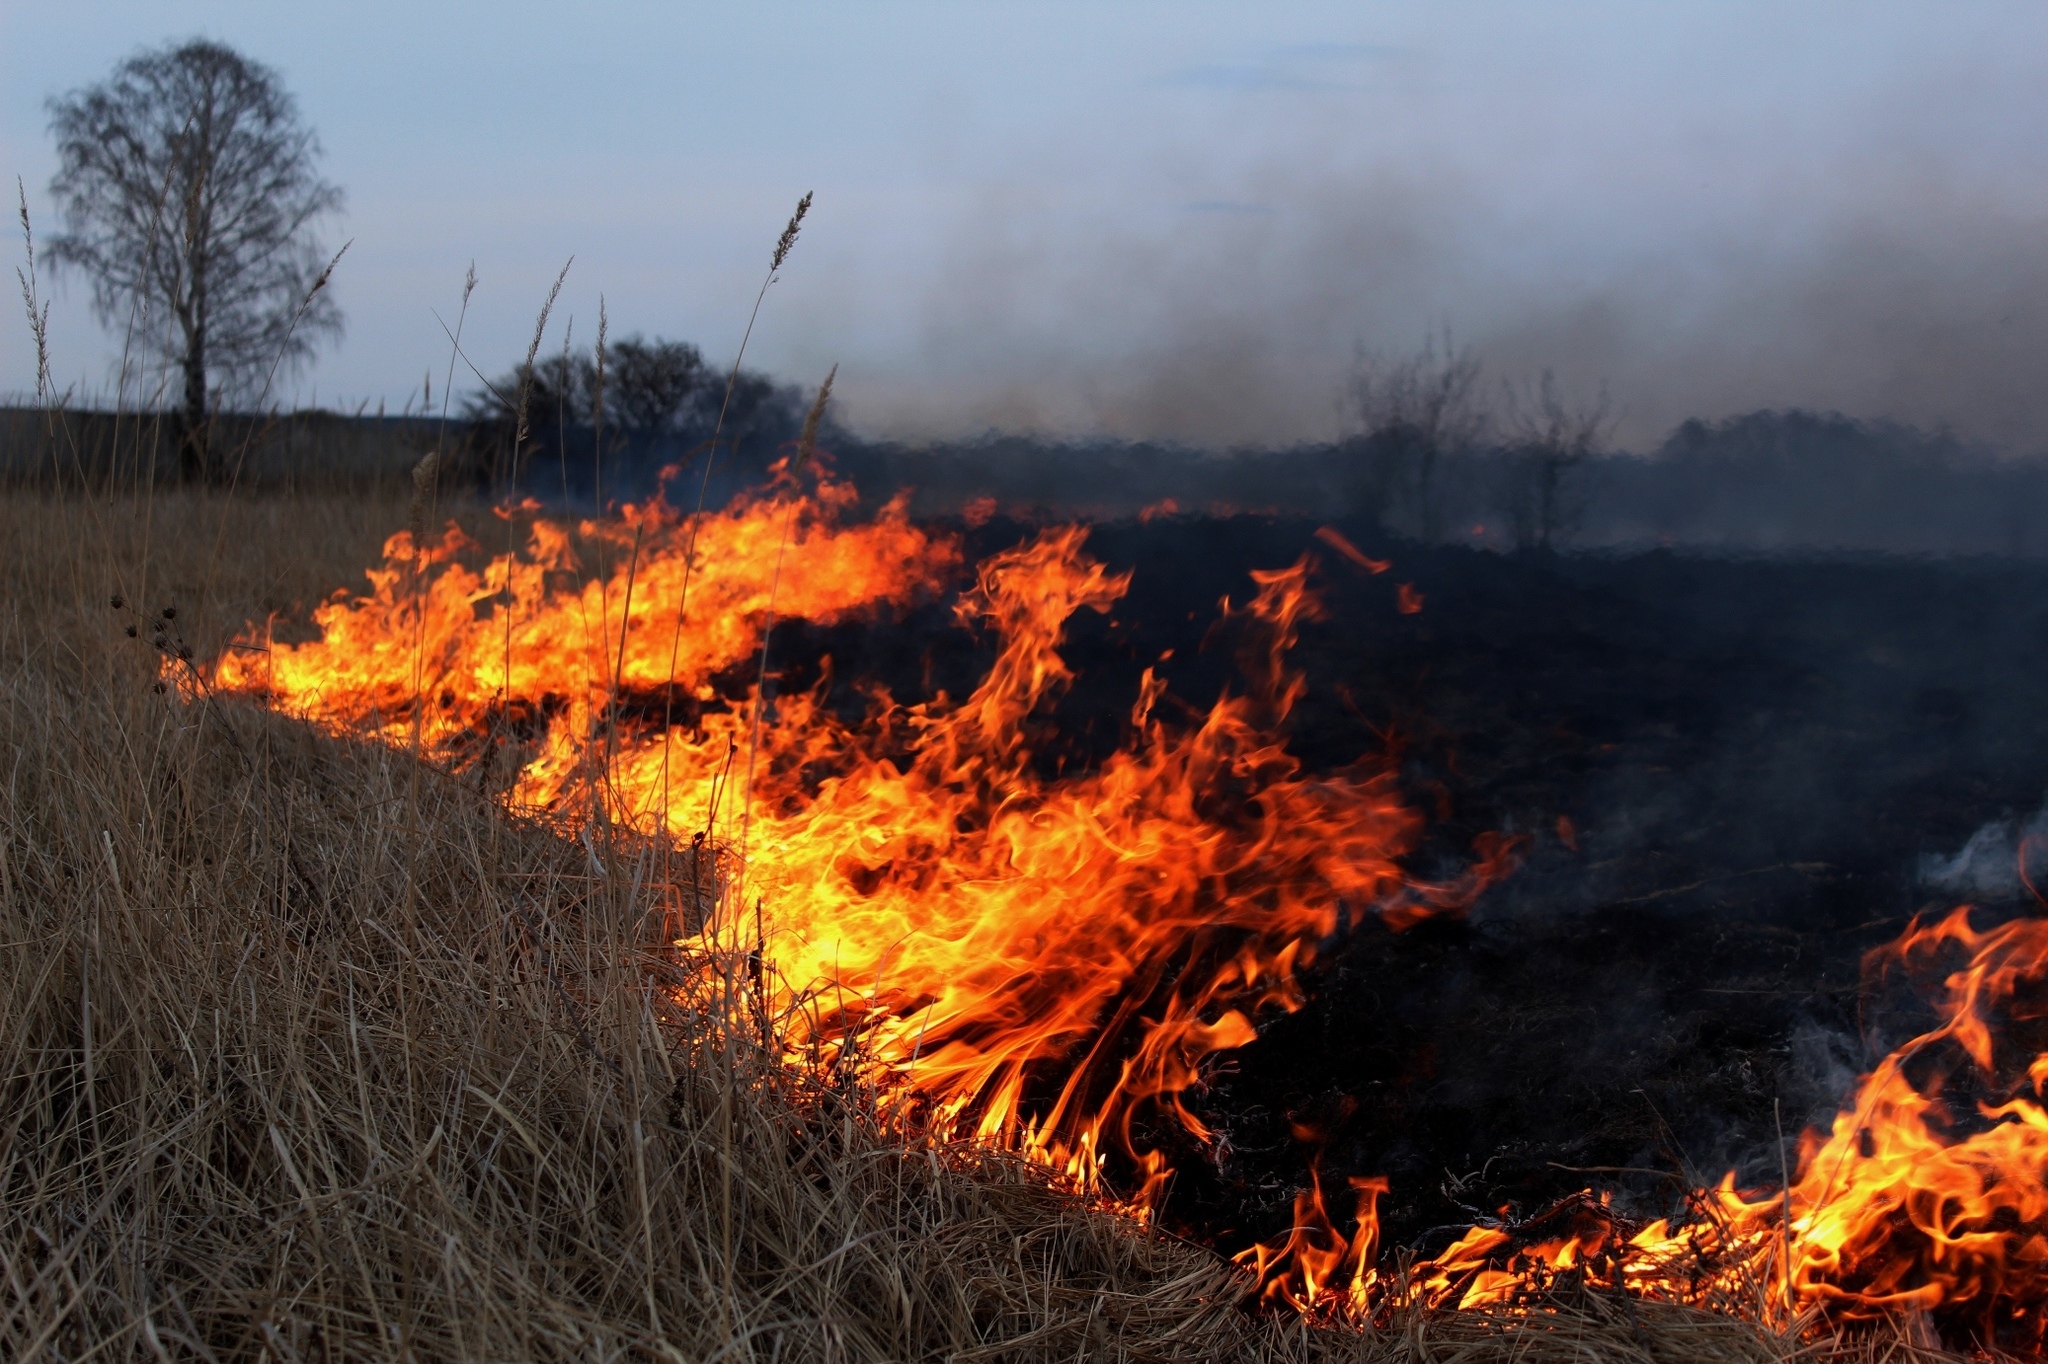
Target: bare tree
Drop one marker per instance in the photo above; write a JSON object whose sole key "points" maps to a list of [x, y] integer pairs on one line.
{"points": [[558, 389], [1409, 414], [657, 383], [1549, 439], [189, 193], [652, 388]]}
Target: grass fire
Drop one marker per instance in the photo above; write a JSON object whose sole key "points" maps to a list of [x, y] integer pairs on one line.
{"points": [[933, 923], [1392, 716], [1040, 962]]}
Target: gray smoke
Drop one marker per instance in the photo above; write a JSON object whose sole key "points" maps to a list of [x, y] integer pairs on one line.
{"points": [[1236, 320], [1989, 865]]}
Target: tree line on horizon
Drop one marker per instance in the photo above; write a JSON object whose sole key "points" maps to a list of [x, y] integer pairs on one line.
{"points": [[191, 199], [190, 196], [634, 400]]}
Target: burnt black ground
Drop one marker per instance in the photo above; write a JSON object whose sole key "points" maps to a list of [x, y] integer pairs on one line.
{"points": [[1752, 756]]}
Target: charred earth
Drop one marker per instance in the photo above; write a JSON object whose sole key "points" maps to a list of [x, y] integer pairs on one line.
{"points": [[1728, 776]]}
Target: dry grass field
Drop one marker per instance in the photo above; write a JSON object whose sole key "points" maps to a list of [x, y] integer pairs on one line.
{"points": [[308, 1051]]}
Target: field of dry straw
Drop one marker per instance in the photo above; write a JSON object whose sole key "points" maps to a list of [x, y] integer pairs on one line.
{"points": [[308, 1051]]}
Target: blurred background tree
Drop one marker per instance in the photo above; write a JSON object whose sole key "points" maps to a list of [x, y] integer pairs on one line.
{"points": [[1550, 439], [189, 193], [662, 403], [1410, 416], [654, 384]]}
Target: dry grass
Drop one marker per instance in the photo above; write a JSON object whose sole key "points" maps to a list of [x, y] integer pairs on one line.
{"points": [[310, 1053]]}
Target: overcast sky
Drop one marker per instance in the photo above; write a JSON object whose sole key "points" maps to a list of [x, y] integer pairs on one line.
{"points": [[1162, 219]]}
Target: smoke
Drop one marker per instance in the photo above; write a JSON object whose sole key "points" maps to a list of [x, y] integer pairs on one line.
{"points": [[1994, 864], [1233, 314]]}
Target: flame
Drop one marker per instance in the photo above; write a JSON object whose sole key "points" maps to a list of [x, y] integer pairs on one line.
{"points": [[440, 653], [1315, 1267], [1927, 1197], [1046, 962], [1930, 1193], [1039, 962], [1336, 540]]}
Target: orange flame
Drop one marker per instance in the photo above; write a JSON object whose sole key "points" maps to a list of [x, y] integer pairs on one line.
{"points": [[1931, 1191], [1336, 540], [1041, 963], [1929, 1195], [1045, 963], [1315, 1267]]}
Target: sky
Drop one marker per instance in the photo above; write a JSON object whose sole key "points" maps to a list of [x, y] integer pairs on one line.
{"points": [[1168, 219]]}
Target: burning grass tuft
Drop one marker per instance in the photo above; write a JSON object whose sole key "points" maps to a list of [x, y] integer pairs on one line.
{"points": [[308, 1050]]}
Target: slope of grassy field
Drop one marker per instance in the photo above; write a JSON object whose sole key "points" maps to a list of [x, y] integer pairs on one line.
{"points": [[309, 1051]]}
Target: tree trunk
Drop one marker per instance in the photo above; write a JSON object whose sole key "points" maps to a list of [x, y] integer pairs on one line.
{"points": [[194, 443], [1428, 524]]}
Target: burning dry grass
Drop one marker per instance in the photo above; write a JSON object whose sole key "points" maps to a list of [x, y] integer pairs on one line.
{"points": [[309, 1051]]}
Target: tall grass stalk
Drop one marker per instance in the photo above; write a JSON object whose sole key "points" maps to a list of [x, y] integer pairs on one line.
{"points": [[806, 446], [784, 244]]}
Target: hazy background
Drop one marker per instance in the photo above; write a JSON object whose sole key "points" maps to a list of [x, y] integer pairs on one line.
{"points": [[1165, 220]]}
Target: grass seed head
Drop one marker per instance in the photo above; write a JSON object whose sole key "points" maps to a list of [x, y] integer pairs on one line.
{"points": [[788, 237], [807, 442]]}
